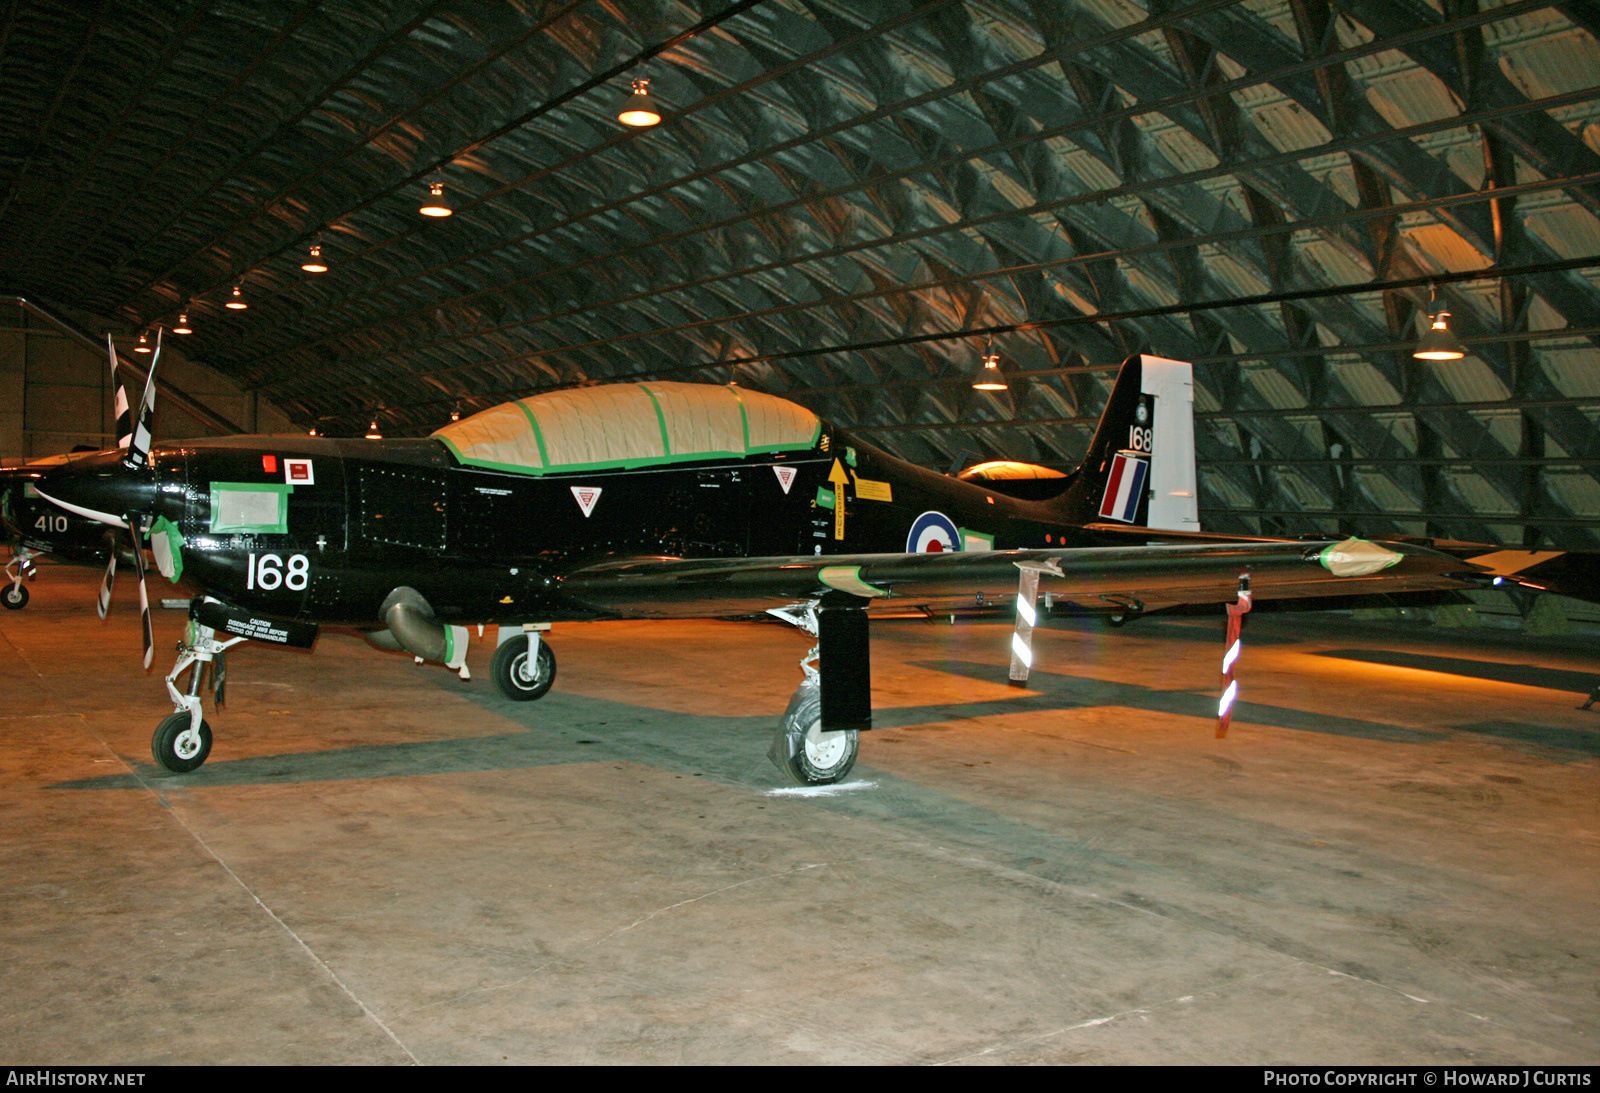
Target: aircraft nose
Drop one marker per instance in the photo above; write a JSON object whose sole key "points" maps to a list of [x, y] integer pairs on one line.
{"points": [[99, 487]]}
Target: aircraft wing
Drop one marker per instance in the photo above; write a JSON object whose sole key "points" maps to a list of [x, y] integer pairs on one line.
{"points": [[1157, 574]]}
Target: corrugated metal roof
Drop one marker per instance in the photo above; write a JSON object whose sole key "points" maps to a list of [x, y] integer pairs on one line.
{"points": [[831, 182]]}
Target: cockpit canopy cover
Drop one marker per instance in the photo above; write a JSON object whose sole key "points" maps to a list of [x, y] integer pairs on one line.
{"points": [[629, 425]]}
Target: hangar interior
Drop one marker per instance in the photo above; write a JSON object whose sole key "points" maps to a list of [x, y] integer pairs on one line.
{"points": [[847, 205]]}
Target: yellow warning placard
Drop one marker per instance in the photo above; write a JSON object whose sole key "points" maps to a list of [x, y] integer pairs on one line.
{"points": [[868, 490]]}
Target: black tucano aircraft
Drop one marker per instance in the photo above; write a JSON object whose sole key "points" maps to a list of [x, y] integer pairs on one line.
{"points": [[674, 500]]}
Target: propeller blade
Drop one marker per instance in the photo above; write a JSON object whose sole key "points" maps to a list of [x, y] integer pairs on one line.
{"points": [[124, 419], [138, 451], [134, 526], [103, 601]]}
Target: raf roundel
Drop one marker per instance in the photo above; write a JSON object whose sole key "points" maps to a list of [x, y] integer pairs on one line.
{"points": [[933, 533]]}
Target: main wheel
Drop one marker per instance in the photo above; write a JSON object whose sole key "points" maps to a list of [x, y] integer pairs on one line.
{"points": [[511, 675], [802, 750], [179, 748], [14, 596], [1122, 616]]}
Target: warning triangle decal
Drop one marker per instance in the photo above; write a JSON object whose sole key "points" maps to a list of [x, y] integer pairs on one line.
{"points": [[785, 477], [586, 496]]}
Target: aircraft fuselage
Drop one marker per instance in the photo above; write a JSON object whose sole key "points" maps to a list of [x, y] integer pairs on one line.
{"points": [[360, 518]]}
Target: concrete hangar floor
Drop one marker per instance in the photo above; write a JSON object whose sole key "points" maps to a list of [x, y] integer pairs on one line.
{"points": [[1391, 859]]}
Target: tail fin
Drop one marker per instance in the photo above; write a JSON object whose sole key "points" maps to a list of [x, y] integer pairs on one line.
{"points": [[1139, 469]]}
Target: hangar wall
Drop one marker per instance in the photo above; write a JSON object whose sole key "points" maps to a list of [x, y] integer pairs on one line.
{"points": [[55, 393]]}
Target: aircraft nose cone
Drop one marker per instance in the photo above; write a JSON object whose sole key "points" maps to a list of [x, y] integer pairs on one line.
{"points": [[100, 488]]}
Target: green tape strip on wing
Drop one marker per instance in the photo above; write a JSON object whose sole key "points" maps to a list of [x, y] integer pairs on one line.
{"points": [[1356, 558], [847, 578]]}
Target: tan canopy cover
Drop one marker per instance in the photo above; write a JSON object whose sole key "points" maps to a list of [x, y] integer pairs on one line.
{"points": [[629, 425]]}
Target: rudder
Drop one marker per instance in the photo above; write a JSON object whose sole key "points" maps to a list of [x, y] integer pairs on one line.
{"points": [[1140, 468]]}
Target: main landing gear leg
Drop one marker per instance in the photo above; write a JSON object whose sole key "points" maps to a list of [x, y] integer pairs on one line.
{"points": [[820, 734], [182, 742]]}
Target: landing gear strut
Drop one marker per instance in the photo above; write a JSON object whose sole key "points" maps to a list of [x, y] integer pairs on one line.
{"points": [[182, 741]]}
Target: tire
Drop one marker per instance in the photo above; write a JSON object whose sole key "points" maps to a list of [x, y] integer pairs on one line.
{"points": [[14, 596], [510, 671], [803, 751], [176, 748], [1122, 617]]}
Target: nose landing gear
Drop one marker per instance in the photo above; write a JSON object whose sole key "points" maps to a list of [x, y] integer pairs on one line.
{"points": [[183, 740], [15, 598]]}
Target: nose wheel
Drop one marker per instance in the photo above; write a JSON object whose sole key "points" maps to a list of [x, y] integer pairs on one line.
{"points": [[14, 597], [180, 746]]}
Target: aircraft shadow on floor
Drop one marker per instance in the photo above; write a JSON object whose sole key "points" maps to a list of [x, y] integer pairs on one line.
{"points": [[567, 728], [1059, 691], [572, 729], [1527, 675], [1557, 742], [559, 729], [575, 729], [1551, 741]]}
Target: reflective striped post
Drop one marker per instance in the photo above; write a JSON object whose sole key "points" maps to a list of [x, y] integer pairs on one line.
{"points": [[1230, 659], [1027, 617]]}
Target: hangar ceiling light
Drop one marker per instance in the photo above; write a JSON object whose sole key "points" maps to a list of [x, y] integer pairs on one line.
{"points": [[639, 111], [436, 205], [1439, 344], [989, 377]]}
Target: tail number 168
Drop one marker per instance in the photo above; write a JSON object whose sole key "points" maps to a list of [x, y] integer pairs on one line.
{"points": [[269, 571]]}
